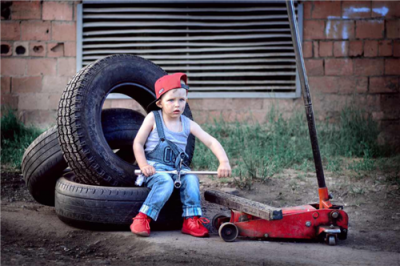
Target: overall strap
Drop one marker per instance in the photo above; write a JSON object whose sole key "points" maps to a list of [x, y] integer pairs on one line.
{"points": [[159, 124], [161, 134]]}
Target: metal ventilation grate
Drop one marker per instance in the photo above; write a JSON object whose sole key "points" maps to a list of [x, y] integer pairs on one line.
{"points": [[227, 49]]}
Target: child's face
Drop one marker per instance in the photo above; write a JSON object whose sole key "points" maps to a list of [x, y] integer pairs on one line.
{"points": [[173, 102]]}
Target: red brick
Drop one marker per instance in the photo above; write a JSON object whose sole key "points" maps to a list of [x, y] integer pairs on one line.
{"points": [[385, 48], [55, 49], [55, 84], [44, 66], [307, 50], [66, 66], [341, 49], [27, 84], [70, 49], [368, 67], [356, 9], [10, 31], [396, 48], [33, 101], [350, 85], [392, 67], [339, 29], [57, 11], [217, 104], [35, 30], [369, 29], [326, 10], [240, 104], [37, 49], [314, 29], [370, 48], [5, 85], [386, 9], [324, 84], [314, 67], [338, 67], [63, 31], [307, 7], [393, 29], [9, 100], [13, 66], [355, 48], [25, 10], [325, 49], [316, 49], [10, 49], [21, 48], [330, 102], [384, 84]]}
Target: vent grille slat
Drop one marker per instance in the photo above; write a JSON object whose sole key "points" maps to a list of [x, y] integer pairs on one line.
{"points": [[169, 31], [227, 49], [206, 44], [176, 24]]}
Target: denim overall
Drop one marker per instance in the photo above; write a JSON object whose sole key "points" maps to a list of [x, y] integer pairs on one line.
{"points": [[166, 156]]}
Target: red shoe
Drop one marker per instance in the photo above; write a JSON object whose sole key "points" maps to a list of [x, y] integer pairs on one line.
{"points": [[141, 225], [194, 226]]}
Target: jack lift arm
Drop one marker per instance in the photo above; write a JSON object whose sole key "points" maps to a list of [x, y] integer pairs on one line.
{"points": [[320, 220]]}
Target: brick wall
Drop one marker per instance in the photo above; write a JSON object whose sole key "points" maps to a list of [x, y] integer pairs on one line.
{"points": [[351, 50], [38, 51]]}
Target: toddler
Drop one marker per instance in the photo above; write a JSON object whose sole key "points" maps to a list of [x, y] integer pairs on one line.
{"points": [[159, 145]]}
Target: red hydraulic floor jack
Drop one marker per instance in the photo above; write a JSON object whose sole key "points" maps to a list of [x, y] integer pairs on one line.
{"points": [[252, 219]]}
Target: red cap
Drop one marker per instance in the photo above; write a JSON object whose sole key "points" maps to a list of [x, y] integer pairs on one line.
{"points": [[167, 83]]}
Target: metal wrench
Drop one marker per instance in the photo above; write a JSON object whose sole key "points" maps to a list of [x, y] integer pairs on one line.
{"points": [[141, 177]]}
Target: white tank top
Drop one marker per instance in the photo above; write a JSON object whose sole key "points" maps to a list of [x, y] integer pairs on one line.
{"points": [[179, 138]]}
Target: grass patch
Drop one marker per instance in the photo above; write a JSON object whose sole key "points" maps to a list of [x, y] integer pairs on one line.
{"points": [[15, 138], [258, 152]]}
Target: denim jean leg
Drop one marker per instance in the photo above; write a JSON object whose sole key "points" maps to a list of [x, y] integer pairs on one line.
{"points": [[190, 196], [161, 186]]}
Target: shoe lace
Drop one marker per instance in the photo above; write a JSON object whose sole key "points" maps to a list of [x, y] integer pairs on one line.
{"points": [[146, 221], [200, 221]]}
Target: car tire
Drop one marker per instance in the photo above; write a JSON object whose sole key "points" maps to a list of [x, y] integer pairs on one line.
{"points": [[99, 207], [43, 162], [79, 128]]}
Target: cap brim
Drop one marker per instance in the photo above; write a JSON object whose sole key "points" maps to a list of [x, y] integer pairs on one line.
{"points": [[152, 106]]}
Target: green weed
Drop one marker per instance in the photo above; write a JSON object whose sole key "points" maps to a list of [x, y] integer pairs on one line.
{"points": [[260, 152], [15, 138]]}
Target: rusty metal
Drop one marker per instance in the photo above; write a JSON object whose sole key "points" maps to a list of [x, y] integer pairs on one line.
{"points": [[306, 93], [247, 206]]}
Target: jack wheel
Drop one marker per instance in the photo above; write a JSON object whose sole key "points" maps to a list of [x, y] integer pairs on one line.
{"points": [[219, 219], [228, 232], [331, 240]]}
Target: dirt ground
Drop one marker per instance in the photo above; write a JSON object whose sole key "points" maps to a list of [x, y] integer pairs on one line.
{"points": [[32, 234]]}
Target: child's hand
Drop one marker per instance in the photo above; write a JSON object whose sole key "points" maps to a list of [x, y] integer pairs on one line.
{"points": [[148, 170], [224, 170]]}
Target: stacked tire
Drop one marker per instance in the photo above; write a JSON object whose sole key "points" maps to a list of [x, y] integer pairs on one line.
{"points": [[85, 166]]}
